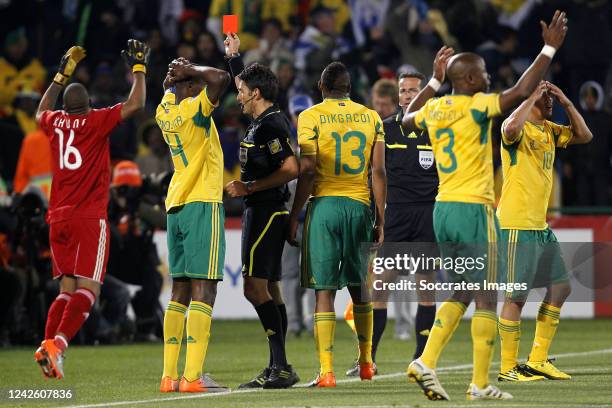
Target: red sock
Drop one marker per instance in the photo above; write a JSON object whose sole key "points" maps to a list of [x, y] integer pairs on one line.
{"points": [[75, 314], [54, 316]]}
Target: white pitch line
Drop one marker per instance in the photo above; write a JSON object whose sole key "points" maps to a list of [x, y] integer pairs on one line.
{"points": [[344, 381]]}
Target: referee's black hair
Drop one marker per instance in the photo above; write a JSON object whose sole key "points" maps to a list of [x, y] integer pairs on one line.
{"points": [[412, 74], [336, 78], [259, 76]]}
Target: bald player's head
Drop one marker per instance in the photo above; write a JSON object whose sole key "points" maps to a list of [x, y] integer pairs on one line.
{"points": [[76, 98], [468, 73]]}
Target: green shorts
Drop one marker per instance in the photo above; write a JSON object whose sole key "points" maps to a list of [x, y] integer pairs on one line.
{"points": [[467, 231], [534, 258], [196, 241], [332, 255]]}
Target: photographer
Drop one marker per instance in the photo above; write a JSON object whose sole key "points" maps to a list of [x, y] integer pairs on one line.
{"points": [[134, 213]]}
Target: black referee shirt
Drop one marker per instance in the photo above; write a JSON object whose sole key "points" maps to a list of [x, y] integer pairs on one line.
{"points": [[262, 151], [412, 177]]}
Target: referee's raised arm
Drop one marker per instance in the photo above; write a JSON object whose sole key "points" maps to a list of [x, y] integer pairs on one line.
{"points": [[234, 60]]}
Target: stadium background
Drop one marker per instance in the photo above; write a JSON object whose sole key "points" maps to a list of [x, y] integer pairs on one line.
{"points": [[374, 38]]}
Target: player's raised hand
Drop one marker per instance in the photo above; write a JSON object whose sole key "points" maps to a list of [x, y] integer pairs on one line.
{"points": [[558, 94], [68, 64], [554, 33], [439, 65], [232, 44], [136, 55]]}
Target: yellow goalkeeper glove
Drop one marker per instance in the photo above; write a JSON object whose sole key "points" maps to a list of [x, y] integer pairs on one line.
{"points": [[68, 64]]}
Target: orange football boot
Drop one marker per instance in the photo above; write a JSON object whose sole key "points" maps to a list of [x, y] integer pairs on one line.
{"points": [[326, 380], [202, 384], [51, 359], [366, 371], [168, 385]]}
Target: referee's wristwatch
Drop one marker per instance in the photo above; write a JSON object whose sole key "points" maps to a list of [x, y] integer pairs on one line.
{"points": [[249, 186]]}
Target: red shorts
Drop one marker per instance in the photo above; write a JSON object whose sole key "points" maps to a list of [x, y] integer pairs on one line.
{"points": [[79, 248]]}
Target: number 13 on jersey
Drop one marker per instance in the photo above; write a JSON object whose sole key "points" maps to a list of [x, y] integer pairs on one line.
{"points": [[357, 152]]}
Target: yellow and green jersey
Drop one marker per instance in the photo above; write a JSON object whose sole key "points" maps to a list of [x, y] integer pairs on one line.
{"points": [[527, 165], [341, 133], [459, 128], [192, 137]]}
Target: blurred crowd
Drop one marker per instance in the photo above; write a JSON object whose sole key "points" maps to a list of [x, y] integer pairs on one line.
{"points": [[376, 39]]}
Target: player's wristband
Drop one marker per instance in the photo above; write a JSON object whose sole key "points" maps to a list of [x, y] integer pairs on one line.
{"points": [[434, 84], [549, 51], [60, 79], [139, 68]]}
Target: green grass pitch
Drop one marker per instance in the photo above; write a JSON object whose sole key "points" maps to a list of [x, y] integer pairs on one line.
{"points": [[129, 375]]}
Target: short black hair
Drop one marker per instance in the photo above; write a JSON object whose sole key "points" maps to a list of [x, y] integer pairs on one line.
{"points": [[334, 78], [259, 76], [412, 74]]}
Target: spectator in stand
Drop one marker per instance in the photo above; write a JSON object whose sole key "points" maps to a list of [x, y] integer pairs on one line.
{"points": [[208, 52], [284, 71], [587, 167], [385, 99], [154, 158], [156, 68], [498, 55], [404, 24], [34, 163], [186, 50], [250, 14], [339, 9], [14, 127], [18, 69], [192, 23], [317, 46], [272, 48]]}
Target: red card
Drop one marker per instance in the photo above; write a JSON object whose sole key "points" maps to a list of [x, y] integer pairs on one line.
{"points": [[230, 23]]}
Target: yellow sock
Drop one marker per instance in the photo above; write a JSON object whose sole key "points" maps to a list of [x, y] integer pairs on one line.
{"points": [[546, 327], [174, 324], [198, 333], [349, 318], [364, 323], [447, 319], [510, 336], [484, 331], [325, 326]]}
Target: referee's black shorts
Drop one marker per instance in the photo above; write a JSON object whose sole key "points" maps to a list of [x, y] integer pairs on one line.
{"points": [[263, 240], [411, 225]]}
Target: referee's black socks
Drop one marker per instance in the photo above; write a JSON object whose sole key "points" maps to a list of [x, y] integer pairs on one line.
{"points": [[270, 318], [425, 317], [380, 322]]}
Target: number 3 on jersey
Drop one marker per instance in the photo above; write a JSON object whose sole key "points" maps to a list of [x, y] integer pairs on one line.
{"points": [[357, 152], [68, 152], [448, 149]]}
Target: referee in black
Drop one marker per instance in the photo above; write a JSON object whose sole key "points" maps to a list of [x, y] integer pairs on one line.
{"points": [[412, 186], [267, 165]]}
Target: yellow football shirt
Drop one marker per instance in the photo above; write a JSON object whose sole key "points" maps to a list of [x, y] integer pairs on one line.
{"points": [[459, 128], [527, 165], [192, 137], [341, 133]]}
